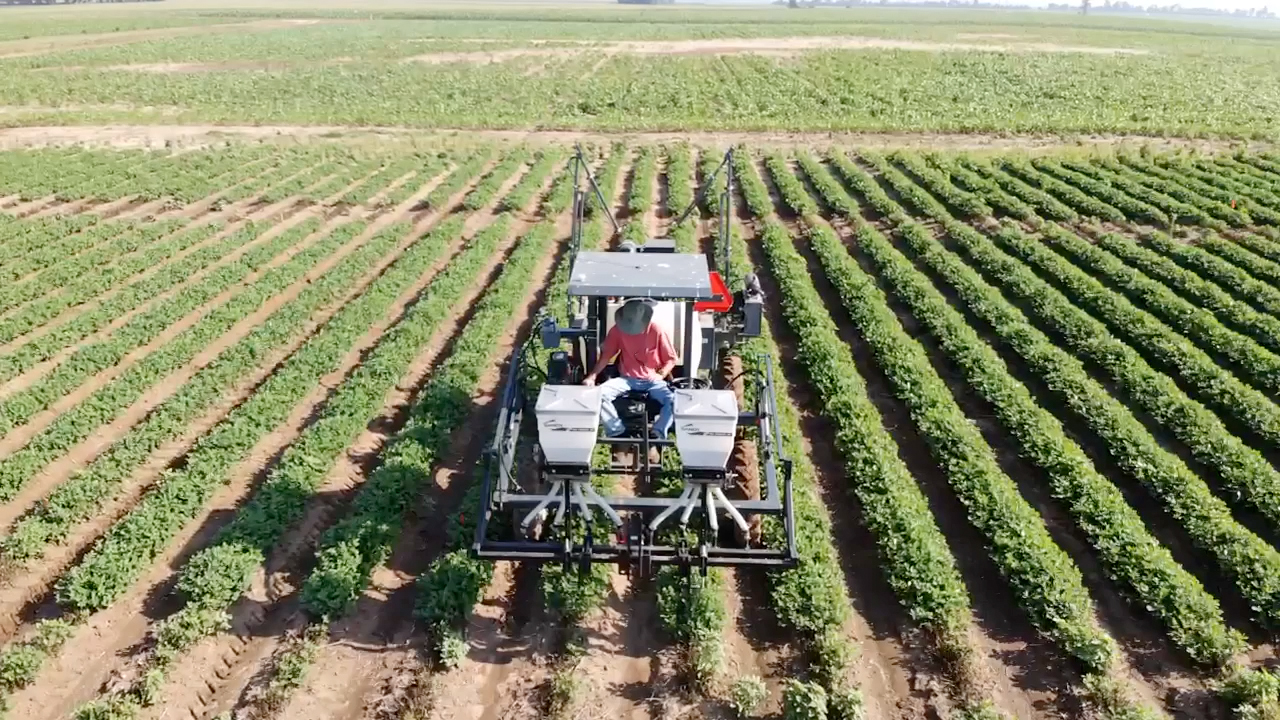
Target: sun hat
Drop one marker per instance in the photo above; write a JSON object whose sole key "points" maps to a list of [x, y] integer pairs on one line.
{"points": [[634, 316]]}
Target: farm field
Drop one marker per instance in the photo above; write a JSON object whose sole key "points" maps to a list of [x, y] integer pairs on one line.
{"points": [[588, 68], [1032, 402]]}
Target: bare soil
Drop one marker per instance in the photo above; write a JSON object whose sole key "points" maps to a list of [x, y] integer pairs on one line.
{"points": [[776, 47], [160, 136]]}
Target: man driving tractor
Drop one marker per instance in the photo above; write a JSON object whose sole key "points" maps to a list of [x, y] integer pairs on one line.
{"points": [[646, 357]]}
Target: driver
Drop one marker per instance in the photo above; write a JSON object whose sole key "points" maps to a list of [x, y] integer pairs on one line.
{"points": [[645, 358]]}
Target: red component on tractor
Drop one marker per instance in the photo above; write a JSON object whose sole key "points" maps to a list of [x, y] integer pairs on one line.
{"points": [[723, 302]]}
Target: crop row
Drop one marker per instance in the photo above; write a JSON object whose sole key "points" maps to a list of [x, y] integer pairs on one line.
{"points": [[914, 553], [118, 254], [1243, 258], [981, 187], [133, 542], [93, 286], [1206, 211], [643, 172], [60, 239], [23, 237], [491, 182], [1222, 178], [79, 422], [1263, 328], [1132, 556], [87, 360], [1174, 210], [1241, 284], [85, 492], [1080, 201], [1103, 191], [1259, 365], [1045, 204], [1047, 584], [1216, 190], [966, 203], [1240, 467], [522, 194], [1242, 556], [680, 194], [216, 577]]}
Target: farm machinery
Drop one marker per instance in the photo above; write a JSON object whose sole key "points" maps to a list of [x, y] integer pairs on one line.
{"points": [[555, 489]]}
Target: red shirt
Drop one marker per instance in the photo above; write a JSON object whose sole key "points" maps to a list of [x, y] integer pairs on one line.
{"points": [[639, 356]]}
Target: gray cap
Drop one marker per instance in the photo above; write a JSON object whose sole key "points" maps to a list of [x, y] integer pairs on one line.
{"points": [[634, 316]]}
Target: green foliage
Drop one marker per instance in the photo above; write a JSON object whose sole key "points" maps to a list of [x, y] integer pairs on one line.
{"points": [[803, 701], [748, 695]]}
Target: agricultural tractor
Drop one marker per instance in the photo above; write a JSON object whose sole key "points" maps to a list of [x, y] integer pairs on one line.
{"points": [[555, 489]]}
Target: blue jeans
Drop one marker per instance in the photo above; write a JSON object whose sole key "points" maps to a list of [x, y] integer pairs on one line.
{"points": [[657, 389]]}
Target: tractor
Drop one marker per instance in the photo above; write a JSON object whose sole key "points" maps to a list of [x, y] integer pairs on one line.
{"points": [[695, 500]]}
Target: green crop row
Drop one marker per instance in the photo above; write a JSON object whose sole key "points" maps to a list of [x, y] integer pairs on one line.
{"points": [[1044, 203], [1244, 172], [938, 183], [491, 182], [861, 181], [1259, 365], [1208, 211], [1252, 263], [134, 541], [708, 161], [1045, 581], [1132, 556], [1263, 328], [79, 422], [914, 195], [1103, 191], [914, 552], [1070, 195], [1268, 249], [88, 360], [680, 194], [792, 192], [285, 167], [1215, 190], [1251, 562], [544, 161], [216, 577], [83, 494], [980, 187], [1240, 467], [643, 172], [350, 549], [24, 237], [136, 290], [60, 239], [391, 171], [1172, 209], [832, 195], [118, 255], [1244, 286], [1220, 178]]}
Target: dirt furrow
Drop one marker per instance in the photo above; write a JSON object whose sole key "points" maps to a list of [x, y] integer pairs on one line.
{"points": [[112, 636]]}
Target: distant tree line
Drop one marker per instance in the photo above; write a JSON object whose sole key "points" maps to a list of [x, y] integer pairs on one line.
{"points": [[1175, 9]]}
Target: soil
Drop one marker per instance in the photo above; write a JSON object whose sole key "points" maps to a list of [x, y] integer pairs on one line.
{"points": [[160, 136], [776, 47]]}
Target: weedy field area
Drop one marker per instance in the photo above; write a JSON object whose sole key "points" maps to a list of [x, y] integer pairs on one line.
{"points": [[263, 267], [669, 69]]}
